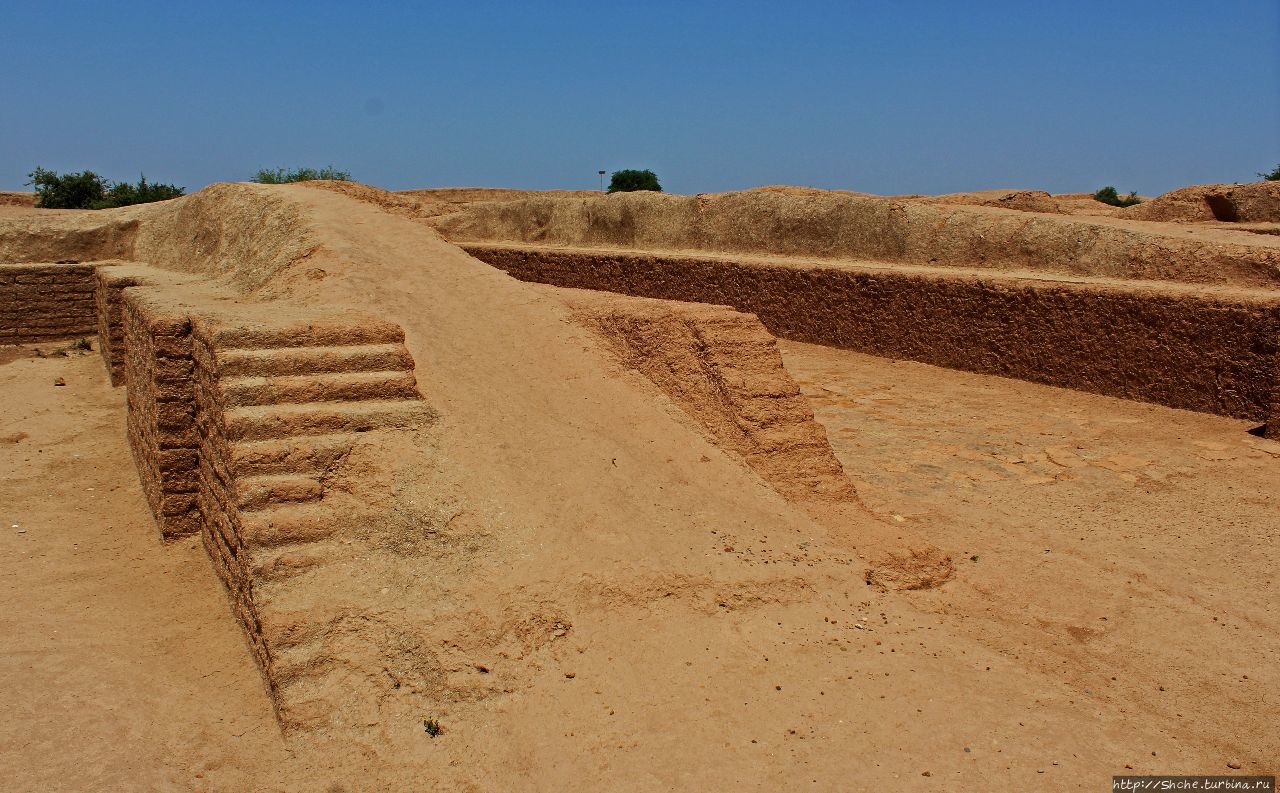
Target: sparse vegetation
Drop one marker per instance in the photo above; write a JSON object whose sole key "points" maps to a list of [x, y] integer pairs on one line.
{"points": [[285, 176], [1273, 176], [88, 190], [80, 346], [1108, 195], [123, 194], [432, 727], [70, 191], [627, 181]]}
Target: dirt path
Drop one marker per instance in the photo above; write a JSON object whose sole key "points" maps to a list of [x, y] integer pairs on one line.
{"points": [[121, 667]]}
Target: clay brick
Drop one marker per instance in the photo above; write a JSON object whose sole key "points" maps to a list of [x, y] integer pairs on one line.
{"points": [[13, 299], [174, 526], [1194, 349], [41, 321], [174, 504], [176, 460]]}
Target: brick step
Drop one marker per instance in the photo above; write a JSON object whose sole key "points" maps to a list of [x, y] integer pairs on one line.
{"points": [[330, 387], [313, 332], [276, 564], [263, 422], [293, 524], [260, 492], [307, 454], [282, 361]]}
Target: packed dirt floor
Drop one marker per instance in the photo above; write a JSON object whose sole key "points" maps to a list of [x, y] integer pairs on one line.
{"points": [[586, 591], [1111, 551]]}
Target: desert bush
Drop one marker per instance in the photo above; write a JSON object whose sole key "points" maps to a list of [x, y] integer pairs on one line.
{"points": [[123, 194], [284, 176], [629, 180], [1108, 195], [69, 191], [88, 190], [1274, 176]]}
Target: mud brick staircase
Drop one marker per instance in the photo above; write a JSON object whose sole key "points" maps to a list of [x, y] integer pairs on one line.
{"points": [[279, 408]]}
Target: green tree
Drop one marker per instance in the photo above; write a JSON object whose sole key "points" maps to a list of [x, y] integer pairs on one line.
{"points": [[1274, 176], [1108, 195], [70, 191], [123, 194], [627, 181], [88, 190]]}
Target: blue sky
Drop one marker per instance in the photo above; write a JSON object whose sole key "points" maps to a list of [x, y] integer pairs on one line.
{"points": [[884, 97]]}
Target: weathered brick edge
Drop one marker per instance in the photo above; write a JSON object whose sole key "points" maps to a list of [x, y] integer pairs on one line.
{"points": [[108, 297], [161, 408]]}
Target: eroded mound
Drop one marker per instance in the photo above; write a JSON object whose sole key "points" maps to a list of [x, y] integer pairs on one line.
{"points": [[1257, 202], [411, 204], [834, 225], [16, 199], [56, 235], [470, 195]]}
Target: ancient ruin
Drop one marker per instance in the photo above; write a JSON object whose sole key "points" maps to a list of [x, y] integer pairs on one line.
{"points": [[544, 469]]}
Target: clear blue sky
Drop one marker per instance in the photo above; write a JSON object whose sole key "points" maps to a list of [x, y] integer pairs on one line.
{"points": [[885, 97]]}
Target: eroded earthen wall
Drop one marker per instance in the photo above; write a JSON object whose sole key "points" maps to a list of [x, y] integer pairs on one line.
{"points": [[845, 227], [66, 237], [723, 369], [46, 302], [1203, 351]]}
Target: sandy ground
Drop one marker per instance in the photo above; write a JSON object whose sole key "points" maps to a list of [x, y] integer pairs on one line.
{"points": [[1129, 550], [121, 666], [1119, 549]]}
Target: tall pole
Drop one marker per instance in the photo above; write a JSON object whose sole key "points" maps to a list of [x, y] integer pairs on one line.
{"points": [[601, 181]]}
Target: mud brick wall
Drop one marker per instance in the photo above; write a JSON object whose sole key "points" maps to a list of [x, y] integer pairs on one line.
{"points": [[1213, 352], [108, 298], [161, 408], [46, 302]]}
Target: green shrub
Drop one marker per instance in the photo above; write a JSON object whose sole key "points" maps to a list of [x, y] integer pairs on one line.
{"points": [[630, 180], [71, 191], [1274, 176], [1108, 195], [88, 190], [284, 176], [123, 194]]}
